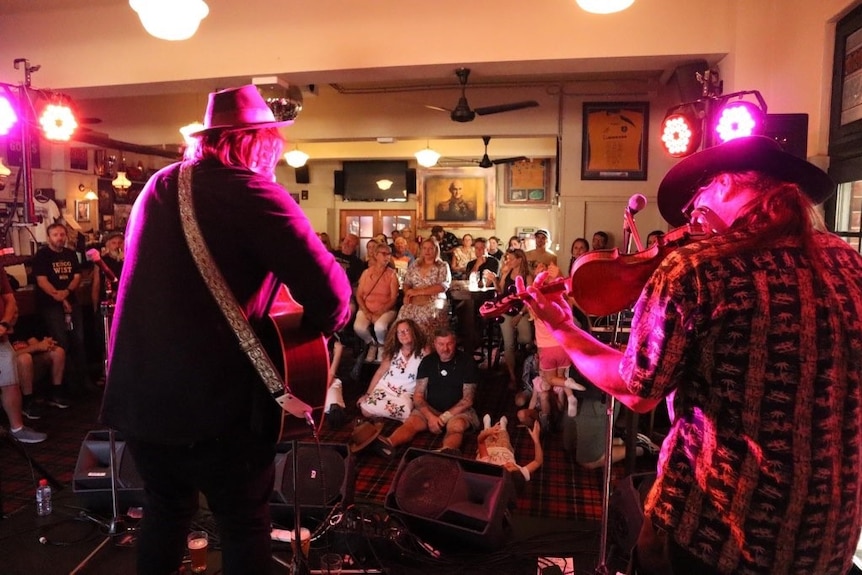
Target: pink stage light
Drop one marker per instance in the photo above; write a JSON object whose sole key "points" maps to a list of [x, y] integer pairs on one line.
{"points": [[58, 122], [8, 118], [738, 119]]}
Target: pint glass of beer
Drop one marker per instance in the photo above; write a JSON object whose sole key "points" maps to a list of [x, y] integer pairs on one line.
{"points": [[197, 542]]}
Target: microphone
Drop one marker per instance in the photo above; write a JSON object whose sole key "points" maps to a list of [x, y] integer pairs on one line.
{"points": [[94, 256], [636, 203]]}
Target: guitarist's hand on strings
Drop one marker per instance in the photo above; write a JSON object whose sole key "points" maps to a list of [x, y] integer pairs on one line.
{"points": [[552, 308]]}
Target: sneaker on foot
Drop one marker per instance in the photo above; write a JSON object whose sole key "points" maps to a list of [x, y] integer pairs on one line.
{"points": [[572, 384], [504, 422], [449, 451], [379, 354], [31, 410], [27, 435], [486, 421], [647, 444], [59, 401]]}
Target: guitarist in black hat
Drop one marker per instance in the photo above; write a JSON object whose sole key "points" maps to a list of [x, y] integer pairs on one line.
{"points": [[179, 387]]}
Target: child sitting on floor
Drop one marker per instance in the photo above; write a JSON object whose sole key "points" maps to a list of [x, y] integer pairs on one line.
{"points": [[495, 447]]}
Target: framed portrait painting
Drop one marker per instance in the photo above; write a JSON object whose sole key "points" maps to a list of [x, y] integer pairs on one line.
{"points": [[615, 141], [456, 197], [82, 210]]}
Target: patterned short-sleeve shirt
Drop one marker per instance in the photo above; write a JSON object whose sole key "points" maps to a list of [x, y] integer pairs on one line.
{"points": [[763, 349]]}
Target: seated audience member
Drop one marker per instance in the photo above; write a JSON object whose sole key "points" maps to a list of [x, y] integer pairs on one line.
{"points": [[401, 258], [515, 328], [425, 288], [590, 427], [412, 244], [515, 243], [10, 390], [600, 240], [390, 392], [324, 237], [461, 256], [541, 254], [370, 249], [443, 399], [446, 241], [653, 237], [36, 358], [494, 446], [494, 248], [579, 247], [376, 295], [485, 265]]}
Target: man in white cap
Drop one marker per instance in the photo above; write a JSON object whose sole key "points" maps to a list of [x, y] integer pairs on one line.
{"points": [[541, 254], [189, 402], [755, 333]]}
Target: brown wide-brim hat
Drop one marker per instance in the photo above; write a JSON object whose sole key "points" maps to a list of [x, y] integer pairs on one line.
{"points": [[758, 153], [363, 434], [240, 108]]}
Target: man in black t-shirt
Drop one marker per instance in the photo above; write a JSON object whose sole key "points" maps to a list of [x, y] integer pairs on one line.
{"points": [[58, 274], [443, 399]]}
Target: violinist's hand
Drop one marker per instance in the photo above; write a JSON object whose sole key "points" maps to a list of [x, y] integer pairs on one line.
{"points": [[553, 309]]}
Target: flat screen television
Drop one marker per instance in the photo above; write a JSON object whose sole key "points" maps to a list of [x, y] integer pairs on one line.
{"points": [[375, 181]]}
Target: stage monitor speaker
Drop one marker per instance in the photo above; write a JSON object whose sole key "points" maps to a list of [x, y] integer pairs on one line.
{"points": [[91, 481], [451, 500], [790, 131], [338, 182], [411, 181], [323, 478], [626, 510], [303, 176], [685, 77]]}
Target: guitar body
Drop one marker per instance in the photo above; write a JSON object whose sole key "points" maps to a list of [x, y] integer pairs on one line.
{"points": [[301, 358]]}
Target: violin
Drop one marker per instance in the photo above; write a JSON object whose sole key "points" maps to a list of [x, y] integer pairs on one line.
{"points": [[604, 282]]}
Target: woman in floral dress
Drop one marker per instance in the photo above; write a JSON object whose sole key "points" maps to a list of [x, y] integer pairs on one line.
{"points": [[425, 286]]}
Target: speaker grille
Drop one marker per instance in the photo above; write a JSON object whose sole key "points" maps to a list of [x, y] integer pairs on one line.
{"points": [[426, 486], [321, 477]]}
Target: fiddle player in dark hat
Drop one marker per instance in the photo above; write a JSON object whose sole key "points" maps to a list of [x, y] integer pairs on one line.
{"points": [[754, 333], [194, 413]]}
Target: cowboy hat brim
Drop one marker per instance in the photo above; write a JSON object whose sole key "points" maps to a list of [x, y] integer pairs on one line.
{"points": [[757, 153], [363, 434], [235, 127]]}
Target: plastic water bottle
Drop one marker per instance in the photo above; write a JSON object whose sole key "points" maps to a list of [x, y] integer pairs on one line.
{"points": [[43, 498], [69, 325]]}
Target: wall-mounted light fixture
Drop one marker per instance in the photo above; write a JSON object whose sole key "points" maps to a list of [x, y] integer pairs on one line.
{"points": [[90, 195], [170, 19], [296, 158]]}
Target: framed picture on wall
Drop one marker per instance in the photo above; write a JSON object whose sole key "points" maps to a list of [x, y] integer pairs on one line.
{"points": [[456, 197], [82, 210], [527, 183], [615, 141], [845, 122]]}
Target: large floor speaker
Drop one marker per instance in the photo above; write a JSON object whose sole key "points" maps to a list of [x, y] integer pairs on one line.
{"points": [[451, 500], [91, 481], [322, 479], [626, 510]]}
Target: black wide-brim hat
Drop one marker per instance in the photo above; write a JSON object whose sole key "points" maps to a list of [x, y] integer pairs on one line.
{"points": [[758, 153], [241, 108]]}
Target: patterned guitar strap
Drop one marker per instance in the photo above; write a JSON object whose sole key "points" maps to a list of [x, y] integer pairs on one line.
{"points": [[248, 340]]}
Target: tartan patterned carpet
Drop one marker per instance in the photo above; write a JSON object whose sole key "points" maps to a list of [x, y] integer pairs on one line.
{"points": [[560, 489]]}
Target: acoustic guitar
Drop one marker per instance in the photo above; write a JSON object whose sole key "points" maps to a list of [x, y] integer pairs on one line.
{"points": [[302, 359]]}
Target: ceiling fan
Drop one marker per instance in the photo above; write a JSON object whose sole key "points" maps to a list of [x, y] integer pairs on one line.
{"points": [[463, 112], [486, 161]]}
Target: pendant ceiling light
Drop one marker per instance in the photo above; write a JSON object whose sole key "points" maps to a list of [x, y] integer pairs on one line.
{"points": [[170, 19], [296, 158], [427, 158], [604, 6], [121, 182]]}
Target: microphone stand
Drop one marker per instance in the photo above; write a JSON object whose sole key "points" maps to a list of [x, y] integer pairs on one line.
{"points": [[630, 233], [115, 525]]}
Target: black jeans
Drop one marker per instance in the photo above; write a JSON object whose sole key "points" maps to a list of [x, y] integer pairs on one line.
{"points": [[236, 475]]}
